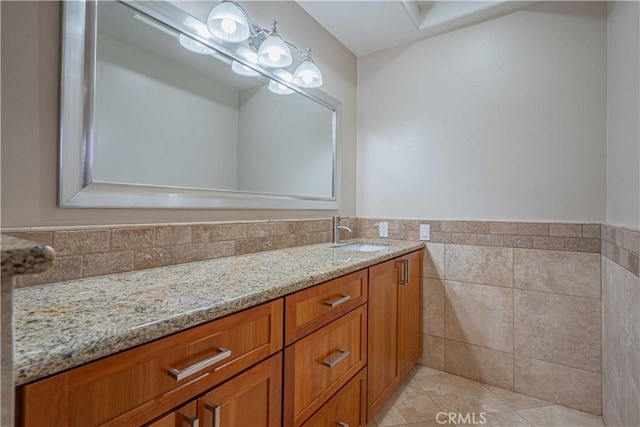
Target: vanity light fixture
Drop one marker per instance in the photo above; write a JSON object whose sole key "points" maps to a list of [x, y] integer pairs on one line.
{"points": [[230, 23], [274, 52], [307, 74]]}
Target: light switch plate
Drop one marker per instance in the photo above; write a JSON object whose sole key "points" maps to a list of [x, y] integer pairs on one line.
{"points": [[383, 229], [425, 231]]}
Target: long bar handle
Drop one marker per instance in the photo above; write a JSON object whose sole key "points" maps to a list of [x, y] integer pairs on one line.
{"points": [[334, 362], [337, 302], [342, 424], [405, 272], [215, 411], [178, 375]]}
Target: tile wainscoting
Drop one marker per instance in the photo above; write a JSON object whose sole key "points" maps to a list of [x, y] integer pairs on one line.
{"points": [[89, 251], [515, 305], [620, 326]]}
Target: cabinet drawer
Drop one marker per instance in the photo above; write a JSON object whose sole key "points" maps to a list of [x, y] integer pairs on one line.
{"points": [[319, 364], [312, 308], [137, 385], [346, 408]]}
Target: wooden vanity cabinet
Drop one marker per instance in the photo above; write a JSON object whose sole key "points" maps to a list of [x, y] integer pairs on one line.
{"points": [[410, 313], [349, 342], [138, 385], [395, 325]]}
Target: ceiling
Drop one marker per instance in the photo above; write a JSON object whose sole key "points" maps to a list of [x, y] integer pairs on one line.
{"points": [[367, 26]]}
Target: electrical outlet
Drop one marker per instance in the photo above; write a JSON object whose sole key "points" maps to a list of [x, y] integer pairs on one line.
{"points": [[425, 231], [383, 229]]}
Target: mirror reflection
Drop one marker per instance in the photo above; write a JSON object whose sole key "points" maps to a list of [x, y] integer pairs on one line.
{"points": [[170, 111]]}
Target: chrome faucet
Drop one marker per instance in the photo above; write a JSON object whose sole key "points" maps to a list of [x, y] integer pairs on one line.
{"points": [[337, 227]]}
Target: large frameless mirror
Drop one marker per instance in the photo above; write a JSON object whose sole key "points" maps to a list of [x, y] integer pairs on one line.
{"points": [[157, 113]]}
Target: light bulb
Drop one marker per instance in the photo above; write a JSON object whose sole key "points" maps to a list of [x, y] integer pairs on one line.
{"points": [[274, 55], [307, 78], [307, 75], [228, 25]]}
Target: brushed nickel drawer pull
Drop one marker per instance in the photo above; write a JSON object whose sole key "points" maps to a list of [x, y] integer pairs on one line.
{"points": [[337, 302], [342, 424], [178, 375], [405, 272], [188, 421], [334, 362], [215, 411]]}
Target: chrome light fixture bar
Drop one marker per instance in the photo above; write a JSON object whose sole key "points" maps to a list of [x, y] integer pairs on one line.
{"points": [[230, 23]]}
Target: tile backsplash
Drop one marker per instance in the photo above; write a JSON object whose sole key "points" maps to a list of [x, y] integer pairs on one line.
{"points": [[576, 237], [94, 251]]}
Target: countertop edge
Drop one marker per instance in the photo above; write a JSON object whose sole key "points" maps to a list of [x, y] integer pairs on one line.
{"points": [[21, 257]]}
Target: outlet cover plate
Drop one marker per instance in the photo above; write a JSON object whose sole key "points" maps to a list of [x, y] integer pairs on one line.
{"points": [[425, 231], [383, 229]]}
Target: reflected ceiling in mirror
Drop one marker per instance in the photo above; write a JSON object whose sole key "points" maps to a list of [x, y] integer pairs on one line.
{"points": [[168, 123]]}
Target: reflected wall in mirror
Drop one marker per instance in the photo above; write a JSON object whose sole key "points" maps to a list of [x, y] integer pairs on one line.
{"points": [[167, 123]]}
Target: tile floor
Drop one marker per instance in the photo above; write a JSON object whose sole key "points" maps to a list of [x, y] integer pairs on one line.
{"points": [[426, 392]]}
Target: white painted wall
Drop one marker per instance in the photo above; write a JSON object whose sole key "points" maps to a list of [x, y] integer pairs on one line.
{"points": [[623, 114], [503, 120], [278, 155], [161, 123]]}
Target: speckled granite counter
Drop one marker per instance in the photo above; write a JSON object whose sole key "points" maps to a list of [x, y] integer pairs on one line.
{"points": [[63, 325], [18, 257], [24, 257]]}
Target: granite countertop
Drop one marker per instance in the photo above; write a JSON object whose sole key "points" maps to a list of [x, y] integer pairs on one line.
{"points": [[24, 257], [63, 325]]}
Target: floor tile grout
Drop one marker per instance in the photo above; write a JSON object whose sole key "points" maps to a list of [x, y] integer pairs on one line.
{"points": [[535, 416]]}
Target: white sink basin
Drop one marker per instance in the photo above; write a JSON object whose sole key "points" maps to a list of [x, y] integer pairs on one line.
{"points": [[363, 247]]}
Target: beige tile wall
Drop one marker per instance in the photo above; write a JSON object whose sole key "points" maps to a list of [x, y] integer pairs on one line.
{"points": [[515, 305], [93, 251], [621, 327], [552, 236]]}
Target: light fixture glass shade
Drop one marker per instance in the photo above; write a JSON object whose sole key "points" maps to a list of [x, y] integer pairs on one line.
{"points": [[228, 23], [274, 52], [279, 88], [243, 70], [194, 46], [307, 75]]}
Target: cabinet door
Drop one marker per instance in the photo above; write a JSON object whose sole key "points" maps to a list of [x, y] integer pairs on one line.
{"points": [[382, 334], [185, 416], [253, 398], [409, 312]]}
